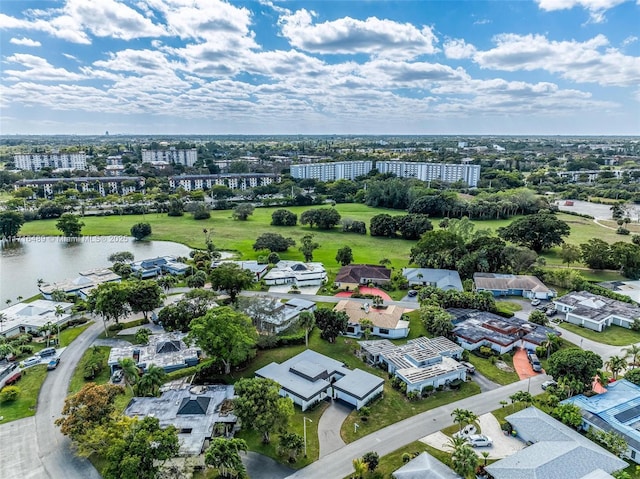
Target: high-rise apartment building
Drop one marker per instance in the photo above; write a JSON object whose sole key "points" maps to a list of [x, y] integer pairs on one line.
{"points": [[342, 170], [57, 161], [173, 156], [449, 173]]}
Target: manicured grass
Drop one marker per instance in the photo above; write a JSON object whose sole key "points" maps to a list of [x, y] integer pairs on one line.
{"points": [[416, 326], [68, 335], [509, 306], [612, 335], [394, 406], [25, 405], [492, 372], [77, 381], [254, 439], [393, 461]]}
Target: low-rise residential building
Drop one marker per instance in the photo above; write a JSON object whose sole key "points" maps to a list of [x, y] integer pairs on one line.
{"points": [[311, 377], [630, 289], [152, 267], [167, 351], [421, 363], [555, 452], [388, 321], [596, 312], [258, 269], [296, 273], [235, 181], [104, 185], [271, 316], [198, 413], [617, 410], [425, 466], [82, 285], [512, 285], [474, 329], [22, 318], [444, 279], [354, 275]]}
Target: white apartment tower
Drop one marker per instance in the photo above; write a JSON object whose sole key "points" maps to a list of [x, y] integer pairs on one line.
{"points": [[183, 157], [449, 173], [57, 161], [343, 170]]}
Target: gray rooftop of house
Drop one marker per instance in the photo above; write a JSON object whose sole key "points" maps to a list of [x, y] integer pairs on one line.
{"points": [[596, 307], [358, 383], [196, 409], [164, 350], [425, 466], [279, 313], [557, 452], [504, 282], [35, 314], [444, 279]]}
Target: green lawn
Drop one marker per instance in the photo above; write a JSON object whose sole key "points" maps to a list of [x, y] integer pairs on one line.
{"points": [[612, 335], [25, 405], [68, 335], [77, 381], [510, 306], [492, 372]]}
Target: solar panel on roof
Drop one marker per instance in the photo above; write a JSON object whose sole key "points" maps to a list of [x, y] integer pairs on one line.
{"points": [[630, 413]]}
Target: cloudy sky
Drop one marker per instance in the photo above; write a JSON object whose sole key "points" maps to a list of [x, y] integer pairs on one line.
{"points": [[323, 67]]}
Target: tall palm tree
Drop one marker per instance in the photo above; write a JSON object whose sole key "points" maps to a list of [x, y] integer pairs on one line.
{"points": [[551, 343], [615, 364], [632, 352], [485, 456], [46, 328], [224, 455], [359, 467], [306, 321], [151, 380], [459, 416], [130, 371], [464, 459]]}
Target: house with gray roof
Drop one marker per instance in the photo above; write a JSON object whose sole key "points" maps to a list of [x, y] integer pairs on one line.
{"points": [[425, 466], [420, 363], [474, 328], [556, 452], [310, 377], [617, 410], [82, 285], [23, 318], [198, 413], [297, 273], [152, 267], [512, 285], [258, 269], [444, 279], [272, 316], [596, 312]]}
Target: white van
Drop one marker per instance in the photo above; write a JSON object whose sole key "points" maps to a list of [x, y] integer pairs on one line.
{"points": [[30, 361]]}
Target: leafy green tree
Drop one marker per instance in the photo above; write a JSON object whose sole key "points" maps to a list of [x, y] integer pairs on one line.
{"points": [[283, 218], [176, 207], [570, 253], [110, 300], [539, 231], [194, 304], [150, 382], [197, 280], [610, 440], [438, 249], [331, 323], [243, 211], [596, 253], [9, 394], [273, 242], [10, 224], [142, 336], [308, 247], [131, 372], [359, 468], [344, 256], [224, 455], [307, 321], [632, 352], [70, 225], [231, 278], [353, 226], [463, 458], [225, 335], [144, 296], [371, 459], [200, 211], [538, 317], [121, 257], [292, 444], [141, 451], [574, 363], [383, 225], [615, 364], [323, 218], [412, 227], [260, 406], [140, 230], [626, 257], [568, 414], [436, 320]]}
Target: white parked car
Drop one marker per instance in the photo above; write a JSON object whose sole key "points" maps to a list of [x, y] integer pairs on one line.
{"points": [[548, 384], [468, 430], [30, 361], [535, 302], [479, 440]]}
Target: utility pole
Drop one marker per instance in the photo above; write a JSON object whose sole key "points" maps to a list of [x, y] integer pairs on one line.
{"points": [[304, 427]]}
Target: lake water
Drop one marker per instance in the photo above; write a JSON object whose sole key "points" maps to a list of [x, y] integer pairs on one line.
{"points": [[51, 258]]}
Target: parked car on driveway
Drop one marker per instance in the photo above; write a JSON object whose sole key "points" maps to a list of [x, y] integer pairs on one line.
{"points": [[412, 293], [548, 384], [535, 302], [14, 378], [471, 369], [479, 440], [30, 361], [117, 376], [53, 364]]}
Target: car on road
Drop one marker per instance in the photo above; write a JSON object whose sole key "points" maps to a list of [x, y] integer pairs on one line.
{"points": [[479, 440], [535, 302], [30, 361], [53, 364], [14, 378], [471, 369], [548, 384], [117, 376], [412, 293]]}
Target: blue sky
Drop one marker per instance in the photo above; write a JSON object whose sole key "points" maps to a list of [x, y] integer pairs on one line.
{"points": [[542, 67]]}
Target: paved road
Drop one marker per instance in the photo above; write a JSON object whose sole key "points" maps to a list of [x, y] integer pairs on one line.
{"points": [[484, 383], [329, 427], [263, 467], [388, 439], [604, 350]]}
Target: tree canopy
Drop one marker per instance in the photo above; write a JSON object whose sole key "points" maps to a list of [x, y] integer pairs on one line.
{"points": [[274, 242], [283, 218], [243, 211], [331, 323], [10, 224], [539, 232], [70, 225], [574, 363], [140, 230], [323, 218], [231, 278]]}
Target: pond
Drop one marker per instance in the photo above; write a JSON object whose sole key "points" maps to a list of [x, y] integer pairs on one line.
{"points": [[54, 258]]}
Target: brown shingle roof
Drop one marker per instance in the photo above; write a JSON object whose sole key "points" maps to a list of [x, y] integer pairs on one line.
{"points": [[388, 317], [353, 273]]}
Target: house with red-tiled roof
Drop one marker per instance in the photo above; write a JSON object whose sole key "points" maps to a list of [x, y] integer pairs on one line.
{"points": [[351, 276]]}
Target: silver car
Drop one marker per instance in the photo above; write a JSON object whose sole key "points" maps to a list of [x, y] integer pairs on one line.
{"points": [[479, 440]]}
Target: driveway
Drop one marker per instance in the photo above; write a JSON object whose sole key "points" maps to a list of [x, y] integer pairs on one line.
{"points": [[522, 366], [366, 290], [484, 383], [603, 350], [329, 427], [263, 467]]}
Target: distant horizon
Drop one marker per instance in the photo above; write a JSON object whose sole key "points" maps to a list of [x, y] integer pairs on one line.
{"points": [[299, 67]]}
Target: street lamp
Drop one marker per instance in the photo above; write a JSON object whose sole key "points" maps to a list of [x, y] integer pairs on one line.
{"points": [[304, 427]]}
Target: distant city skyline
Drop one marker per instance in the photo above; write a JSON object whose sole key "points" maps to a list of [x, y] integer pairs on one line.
{"points": [[211, 67]]}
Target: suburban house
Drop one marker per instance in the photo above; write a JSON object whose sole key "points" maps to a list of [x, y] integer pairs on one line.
{"points": [[617, 410], [167, 351], [512, 285], [198, 413], [258, 269], [82, 285], [596, 312], [421, 363], [556, 452], [388, 321], [444, 279], [270, 315], [152, 267], [473, 329], [311, 377], [296, 273], [425, 466], [354, 275], [23, 318], [630, 289]]}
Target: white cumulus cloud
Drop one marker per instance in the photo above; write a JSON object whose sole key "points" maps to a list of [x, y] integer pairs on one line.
{"points": [[25, 42], [596, 8]]}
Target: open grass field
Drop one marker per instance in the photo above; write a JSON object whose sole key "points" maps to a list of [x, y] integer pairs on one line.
{"points": [[25, 405], [612, 335]]}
